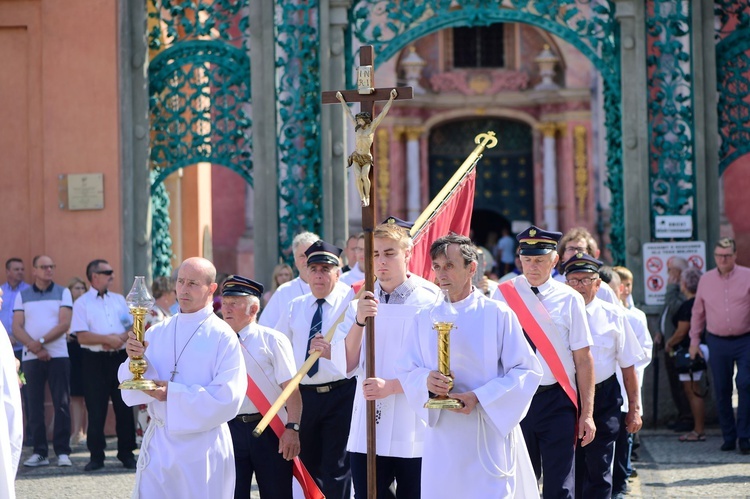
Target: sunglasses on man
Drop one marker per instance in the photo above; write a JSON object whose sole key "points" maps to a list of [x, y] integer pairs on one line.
{"points": [[105, 272]]}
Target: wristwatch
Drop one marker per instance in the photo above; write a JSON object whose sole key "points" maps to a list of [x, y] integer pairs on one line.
{"points": [[292, 426], [41, 340]]}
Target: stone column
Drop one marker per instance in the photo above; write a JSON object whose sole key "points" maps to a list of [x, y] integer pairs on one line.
{"points": [[549, 170], [134, 133], [265, 160], [333, 24], [413, 204], [631, 16]]}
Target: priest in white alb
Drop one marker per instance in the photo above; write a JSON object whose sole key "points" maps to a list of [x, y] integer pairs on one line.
{"points": [[478, 450], [195, 359]]}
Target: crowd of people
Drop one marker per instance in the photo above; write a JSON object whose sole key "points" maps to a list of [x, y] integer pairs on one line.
{"points": [[542, 395]]}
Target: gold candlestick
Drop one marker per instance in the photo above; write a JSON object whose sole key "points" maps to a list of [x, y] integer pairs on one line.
{"points": [[443, 316], [140, 302]]}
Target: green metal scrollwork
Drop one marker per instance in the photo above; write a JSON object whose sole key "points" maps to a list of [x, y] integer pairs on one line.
{"points": [[199, 85], [298, 101], [161, 240], [588, 25], [670, 108], [198, 90], [613, 124], [733, 79]]}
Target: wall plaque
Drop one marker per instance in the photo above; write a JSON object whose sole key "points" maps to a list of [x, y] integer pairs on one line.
{"points": [[82, 191]]}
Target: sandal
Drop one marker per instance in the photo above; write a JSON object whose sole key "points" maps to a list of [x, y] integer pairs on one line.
{"points": [[693, 437]]}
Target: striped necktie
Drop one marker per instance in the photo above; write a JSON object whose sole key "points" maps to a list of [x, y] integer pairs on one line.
{"points": [[315, 327]]}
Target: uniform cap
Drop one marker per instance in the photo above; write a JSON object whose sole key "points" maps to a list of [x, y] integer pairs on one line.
{"points": [[535, 241], [236, 285]]}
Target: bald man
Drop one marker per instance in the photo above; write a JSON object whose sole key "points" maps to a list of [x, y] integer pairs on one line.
{"points": [[195, 359]]}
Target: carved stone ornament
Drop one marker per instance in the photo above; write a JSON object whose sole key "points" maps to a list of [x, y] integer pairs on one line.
{"points": [[473, 82]]}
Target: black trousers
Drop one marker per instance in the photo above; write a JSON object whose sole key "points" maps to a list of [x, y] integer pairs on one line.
{"points": [[99, 385], [261, 457], [324, 431], [677, 390], [39, 373], [549, 432], [407, 472], [594, 462]]}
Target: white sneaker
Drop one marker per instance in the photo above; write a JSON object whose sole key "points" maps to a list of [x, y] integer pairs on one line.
{"points": [[63, 460], [36, 460]]}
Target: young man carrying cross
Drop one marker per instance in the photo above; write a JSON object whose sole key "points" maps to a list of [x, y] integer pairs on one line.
{"points": [[397, 298]]}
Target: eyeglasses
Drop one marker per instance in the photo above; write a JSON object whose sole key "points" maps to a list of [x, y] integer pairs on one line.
{"points": [[574, 249], [105, 272], [721, 255], [586, 281], [47, 267]]}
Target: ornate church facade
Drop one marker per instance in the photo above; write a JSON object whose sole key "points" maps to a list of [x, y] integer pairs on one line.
{"points": [[205, 119]]}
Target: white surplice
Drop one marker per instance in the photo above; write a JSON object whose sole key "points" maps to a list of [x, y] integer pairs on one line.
{"points": [[399, 432], [11, 425], [353, 275], [280, 300], [482, 454], [187, 449]]}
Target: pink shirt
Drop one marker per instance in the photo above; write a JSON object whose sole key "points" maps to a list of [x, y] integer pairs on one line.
{"points": [[722, 304]]}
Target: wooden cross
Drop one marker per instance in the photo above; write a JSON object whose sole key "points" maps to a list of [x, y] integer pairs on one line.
{"points": [[367, 95]]}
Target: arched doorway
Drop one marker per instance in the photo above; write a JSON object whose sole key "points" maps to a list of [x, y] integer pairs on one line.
{"points": [[505, 176]]}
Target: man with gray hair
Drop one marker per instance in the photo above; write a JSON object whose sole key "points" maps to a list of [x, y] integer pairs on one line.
{"points": [[298, 286], [553, 316], [269, 360], [494, 375]]}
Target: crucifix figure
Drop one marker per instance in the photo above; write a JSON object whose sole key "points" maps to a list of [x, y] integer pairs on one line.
{"points": [[366, 94], [364, 130]]}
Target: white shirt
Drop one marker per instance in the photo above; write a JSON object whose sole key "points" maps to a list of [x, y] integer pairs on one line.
{"points": [[639, 323], [295, 324], [615, 343], [568, 311], [108, 314], [279, 302], [41, 312], [272, 351], [353, 275]]}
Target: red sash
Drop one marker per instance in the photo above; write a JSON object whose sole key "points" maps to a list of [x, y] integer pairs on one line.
{"points": [[539, 338], [356, 286], [306, 481]]}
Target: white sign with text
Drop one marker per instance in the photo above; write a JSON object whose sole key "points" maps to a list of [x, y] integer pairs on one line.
{"points": [[656, 257]]}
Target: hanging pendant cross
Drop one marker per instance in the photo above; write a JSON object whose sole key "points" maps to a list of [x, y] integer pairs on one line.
{"points": [[174, 373], [363, 164]]}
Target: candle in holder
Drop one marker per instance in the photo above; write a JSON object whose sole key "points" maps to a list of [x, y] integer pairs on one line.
{"points": [[140, 302]]}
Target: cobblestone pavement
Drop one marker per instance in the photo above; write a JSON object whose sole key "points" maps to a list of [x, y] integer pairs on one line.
{"points": [[54, 482], [670, 468], [666, 468]]}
